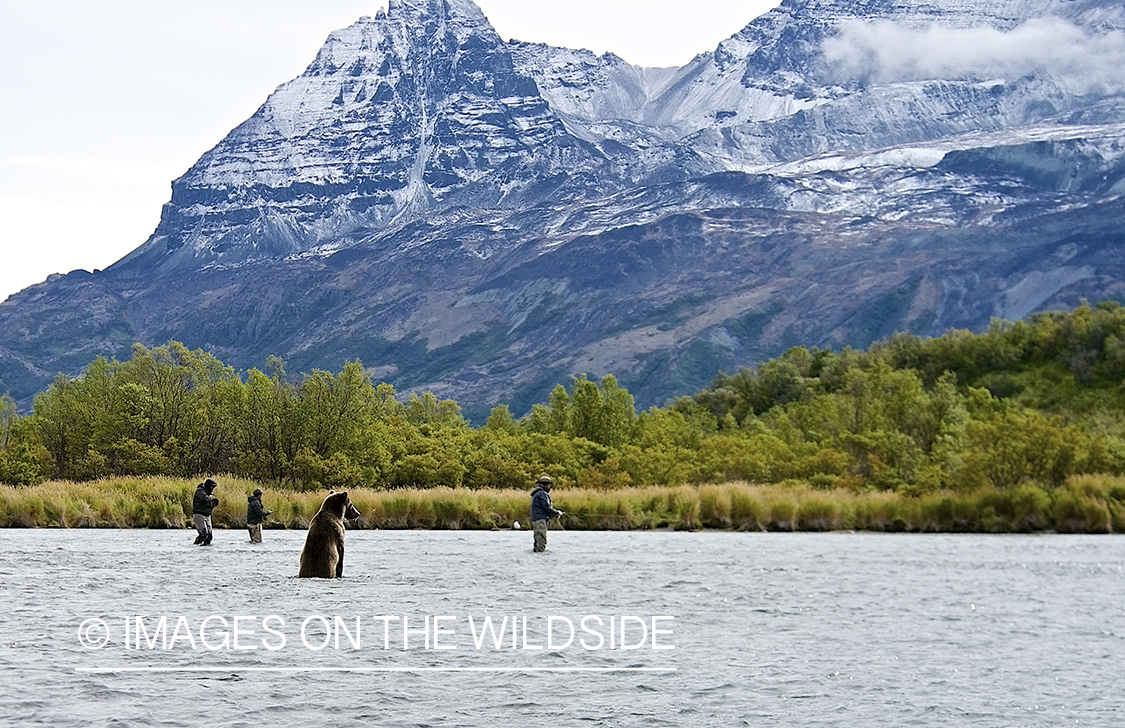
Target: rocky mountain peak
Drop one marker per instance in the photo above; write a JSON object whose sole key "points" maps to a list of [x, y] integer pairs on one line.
{"points": [[459, 10], [417, 106]]}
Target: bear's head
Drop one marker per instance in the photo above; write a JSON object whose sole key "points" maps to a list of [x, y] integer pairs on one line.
{"points": [[340, 505]]}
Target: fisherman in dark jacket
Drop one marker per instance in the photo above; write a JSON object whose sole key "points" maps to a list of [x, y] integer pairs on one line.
{"points": [[255, 515], [201, 507], [542, 511]]}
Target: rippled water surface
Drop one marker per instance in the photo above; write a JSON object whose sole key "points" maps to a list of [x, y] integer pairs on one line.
{"points": [[837, 629]]}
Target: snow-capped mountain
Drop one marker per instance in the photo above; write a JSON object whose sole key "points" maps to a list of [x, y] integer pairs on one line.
{"points": [[485, 218], [416, 107]]}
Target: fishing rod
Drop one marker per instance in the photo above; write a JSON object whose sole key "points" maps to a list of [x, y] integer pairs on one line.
{"points": [[581, 516]]}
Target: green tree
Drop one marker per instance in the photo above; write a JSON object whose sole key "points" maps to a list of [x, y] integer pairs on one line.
{"points": [[428, 410], [1016, 446], [9, 416], [268, 445], [65, 421], [22, 459], [500, 420], [332, 409], [600, 412]]}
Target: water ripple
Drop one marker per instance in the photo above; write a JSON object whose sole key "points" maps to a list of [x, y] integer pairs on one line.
{"points": [[795, 629]]}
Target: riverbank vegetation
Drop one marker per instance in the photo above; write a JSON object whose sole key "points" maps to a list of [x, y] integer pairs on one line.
{"points": [[1027, 407], [1084, 504]]}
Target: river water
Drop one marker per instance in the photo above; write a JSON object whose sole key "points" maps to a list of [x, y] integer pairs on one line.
{"points": [[837, 629]]}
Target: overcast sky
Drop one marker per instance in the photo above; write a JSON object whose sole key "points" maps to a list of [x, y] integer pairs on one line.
{"points": [[104, 102]]}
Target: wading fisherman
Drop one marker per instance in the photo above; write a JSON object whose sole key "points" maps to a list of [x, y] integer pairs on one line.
{"points": [[201, 507], [255, 515], [541, 512]]}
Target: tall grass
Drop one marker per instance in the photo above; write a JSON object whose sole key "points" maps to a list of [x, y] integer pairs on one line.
{"points": [[1085, 504]]}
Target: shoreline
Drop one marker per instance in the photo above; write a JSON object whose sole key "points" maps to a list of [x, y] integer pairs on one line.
{"points": [[660, 530]]}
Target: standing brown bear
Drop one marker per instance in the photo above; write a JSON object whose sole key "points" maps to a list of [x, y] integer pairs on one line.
{"points": [[323, 555]]}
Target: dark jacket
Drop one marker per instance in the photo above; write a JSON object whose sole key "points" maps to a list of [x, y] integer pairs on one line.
{"points": [[204, 502], [541, 508], [255, 513]]}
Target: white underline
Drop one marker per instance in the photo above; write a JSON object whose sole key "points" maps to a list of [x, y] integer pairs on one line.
{"points": [[236, 668]]}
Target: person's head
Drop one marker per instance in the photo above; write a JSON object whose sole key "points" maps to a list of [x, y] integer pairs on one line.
{"points": [[257, 492], [545, 482], [209, 485]]}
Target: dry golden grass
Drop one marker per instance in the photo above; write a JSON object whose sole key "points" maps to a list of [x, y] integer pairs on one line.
{"points": [[1087, 504]]}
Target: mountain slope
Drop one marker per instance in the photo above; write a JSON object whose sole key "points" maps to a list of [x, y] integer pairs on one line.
{"points": [[484, 219]]}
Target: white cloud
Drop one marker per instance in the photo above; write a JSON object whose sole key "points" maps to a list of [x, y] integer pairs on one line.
{"points": [[884, 51]]}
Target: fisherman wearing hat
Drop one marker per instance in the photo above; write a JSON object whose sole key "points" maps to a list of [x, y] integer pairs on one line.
{"points": [[255, 515], [542, 511], [201, 507]]}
